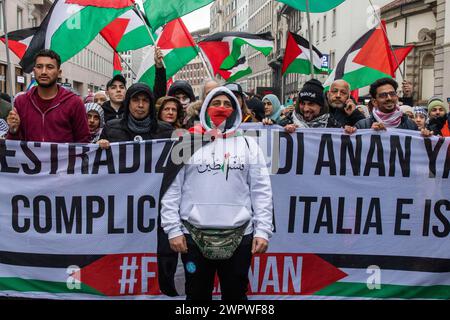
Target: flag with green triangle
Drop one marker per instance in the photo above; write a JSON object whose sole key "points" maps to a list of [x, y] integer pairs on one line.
{"points": [[367, 60], [314, 5], [178, 48], [225, 52], [70, 25], [127, 32], [297, 56], [160, 12]]}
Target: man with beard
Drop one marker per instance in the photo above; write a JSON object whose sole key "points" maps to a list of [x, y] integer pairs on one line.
{"points": [[342, 107], [311, 111], [48, 112], [386, 111]]}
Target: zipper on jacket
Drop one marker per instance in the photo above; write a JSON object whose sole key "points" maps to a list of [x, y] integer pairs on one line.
{"points": [[43, 115]]}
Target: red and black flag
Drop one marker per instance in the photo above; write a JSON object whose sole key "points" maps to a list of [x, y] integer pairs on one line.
{"points": [[19, 40]]}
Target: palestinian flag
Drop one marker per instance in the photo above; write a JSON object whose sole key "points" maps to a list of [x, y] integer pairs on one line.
{"points": [[160, 12], [215, 52], [77, 20], [117, 64], [225, 55], [70, 276], [127, 32], [399, 54], [178, 48], [262, 42], [368, 60], [18, 41], [297, 57], [314, 5], [402, 277]]}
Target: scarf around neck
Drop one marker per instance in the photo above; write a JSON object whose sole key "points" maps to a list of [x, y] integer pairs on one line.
{"points": [[390, 120], [139, 126], [319, 122]]}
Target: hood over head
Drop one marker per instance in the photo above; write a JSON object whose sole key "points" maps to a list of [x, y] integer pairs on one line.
{"points": [[276, 105], [184, 86], [134, 90], [233, 121]]}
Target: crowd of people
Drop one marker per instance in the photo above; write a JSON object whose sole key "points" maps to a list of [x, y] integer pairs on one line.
{"points": [[50, 112]]}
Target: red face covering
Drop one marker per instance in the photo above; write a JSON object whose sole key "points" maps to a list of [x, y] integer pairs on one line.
{"points": [[219, 115]]}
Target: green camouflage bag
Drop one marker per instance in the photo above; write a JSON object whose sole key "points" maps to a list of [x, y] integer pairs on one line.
{"points": [[216, 244]]}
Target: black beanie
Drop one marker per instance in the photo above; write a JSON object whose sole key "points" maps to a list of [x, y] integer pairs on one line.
{"points": [[312, 91]]}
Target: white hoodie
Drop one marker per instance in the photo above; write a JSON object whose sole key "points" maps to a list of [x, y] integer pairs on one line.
{"points": [[223, 185]]}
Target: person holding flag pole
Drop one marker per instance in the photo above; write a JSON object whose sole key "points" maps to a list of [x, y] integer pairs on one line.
{"points": [[154, 41]]}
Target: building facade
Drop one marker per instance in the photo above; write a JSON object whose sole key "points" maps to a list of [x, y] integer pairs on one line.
{"points": [[261, 18], [88, 71], [442, 50]]}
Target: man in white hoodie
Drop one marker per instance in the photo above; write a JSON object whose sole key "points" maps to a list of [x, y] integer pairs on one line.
{"points": [[217, 209]]}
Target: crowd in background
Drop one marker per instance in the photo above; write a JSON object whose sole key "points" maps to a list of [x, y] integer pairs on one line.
{"points": [[49, 112]]}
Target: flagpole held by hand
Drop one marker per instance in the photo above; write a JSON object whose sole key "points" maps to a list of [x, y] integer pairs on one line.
{"points": [[385, 33], [148, 29]]}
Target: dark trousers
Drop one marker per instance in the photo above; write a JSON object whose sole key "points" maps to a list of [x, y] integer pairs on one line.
{"points": [[232, 273]]}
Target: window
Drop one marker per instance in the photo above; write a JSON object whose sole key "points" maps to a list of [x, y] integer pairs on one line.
{"points": [[34, 22], [324, 35], [19, 18], [333, 26], [332, 62], [1, 17], [318, 32]]}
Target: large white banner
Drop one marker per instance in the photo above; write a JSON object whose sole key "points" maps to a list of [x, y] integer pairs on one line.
{"points": [[361, 216]]}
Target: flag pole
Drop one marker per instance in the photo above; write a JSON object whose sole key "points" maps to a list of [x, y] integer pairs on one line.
{"points": [[385, 33], [148, 29], [308, 16], [8, 58], [124, 61]]}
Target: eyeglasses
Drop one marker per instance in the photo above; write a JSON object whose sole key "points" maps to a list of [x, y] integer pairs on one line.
{"points": [[384, 95]]}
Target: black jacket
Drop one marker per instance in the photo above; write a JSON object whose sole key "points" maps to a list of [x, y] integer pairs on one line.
{"points": [[346, 120], [118, 130], [159, 91], [437, 124], [110, 113], [406, 123]]}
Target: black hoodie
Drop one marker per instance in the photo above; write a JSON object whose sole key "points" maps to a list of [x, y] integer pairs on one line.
{"points": [[184, 86], [118, 130]]}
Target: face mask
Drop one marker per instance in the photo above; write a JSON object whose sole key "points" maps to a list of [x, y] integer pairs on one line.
{"points": [[219, 115]]}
